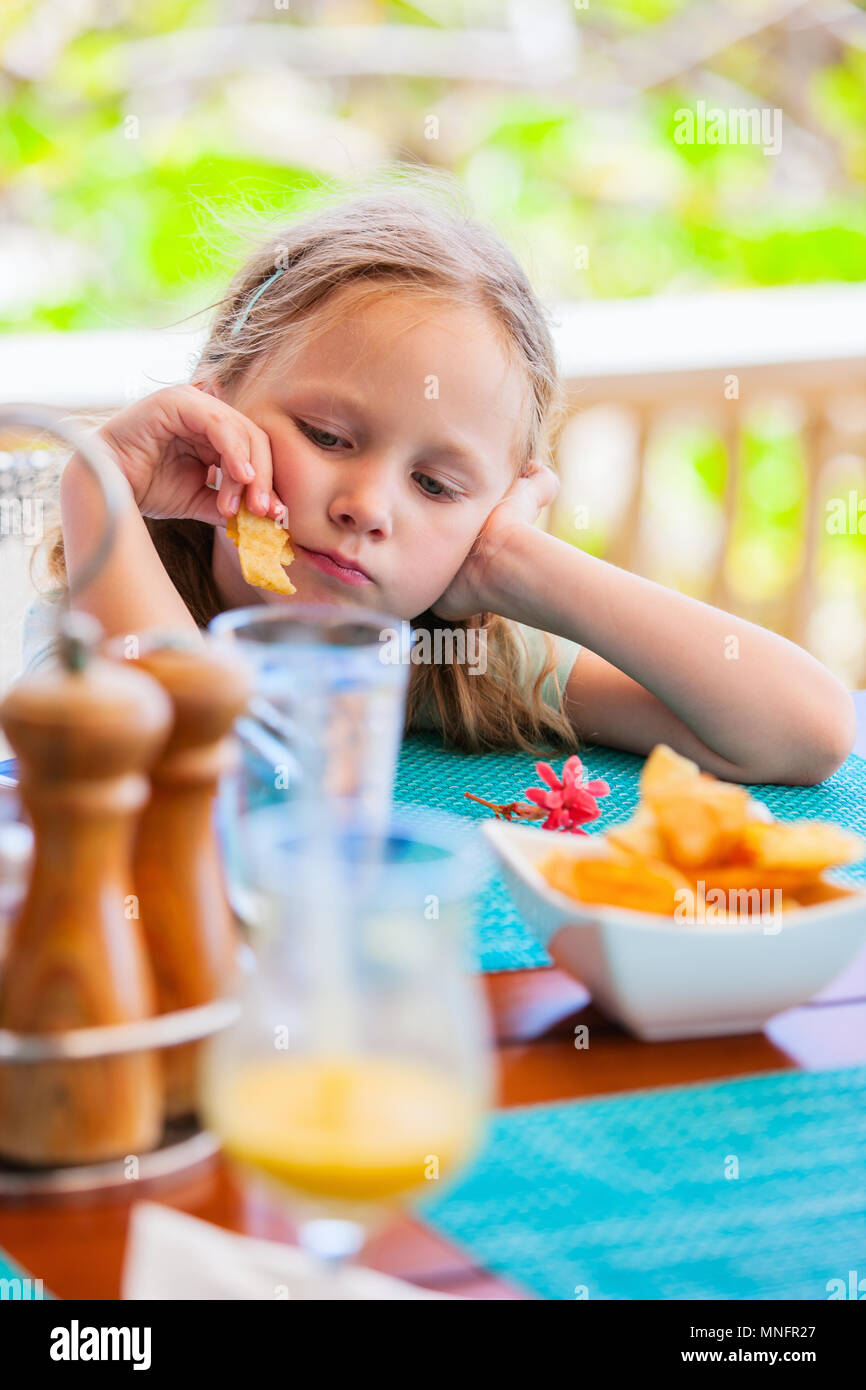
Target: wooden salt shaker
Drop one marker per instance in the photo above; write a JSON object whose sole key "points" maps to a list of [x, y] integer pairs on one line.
{"points": [[188, 922], [76, 958]]}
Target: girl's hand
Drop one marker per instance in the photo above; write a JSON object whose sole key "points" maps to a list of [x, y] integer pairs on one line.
{"points": [[170, 445], [528, 495]]}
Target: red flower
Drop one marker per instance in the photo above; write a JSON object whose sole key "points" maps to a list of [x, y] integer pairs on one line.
{"points": [[566, 804], [569, 802]]}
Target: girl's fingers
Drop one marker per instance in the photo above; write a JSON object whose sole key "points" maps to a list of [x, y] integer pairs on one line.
{"points": [[541, 483], [548, 487], [243, 448], [204, 508], [224, 429], [229, 496], [260, 497], [552, 479]]}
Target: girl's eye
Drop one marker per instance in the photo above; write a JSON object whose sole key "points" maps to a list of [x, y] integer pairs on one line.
{"points": [[443, 490], [323, 438]]}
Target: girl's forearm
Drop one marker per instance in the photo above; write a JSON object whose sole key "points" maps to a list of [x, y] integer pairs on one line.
{"points": [[747, 693], [132, 592]]}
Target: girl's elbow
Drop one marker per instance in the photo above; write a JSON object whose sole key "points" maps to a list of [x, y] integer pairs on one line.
{"points": [[825, 750], [811, 754]]}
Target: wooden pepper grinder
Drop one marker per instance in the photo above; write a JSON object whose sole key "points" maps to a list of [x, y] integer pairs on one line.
{"points": [[76, 958], [188, 922]]}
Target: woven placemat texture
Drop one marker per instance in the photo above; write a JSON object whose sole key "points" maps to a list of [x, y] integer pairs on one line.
{"points": [[430, 775], [17, 1284], [747, 1189]]}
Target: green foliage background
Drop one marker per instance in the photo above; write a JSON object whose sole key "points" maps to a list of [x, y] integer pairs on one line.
{"points": [[551, 172], [140, 184]]}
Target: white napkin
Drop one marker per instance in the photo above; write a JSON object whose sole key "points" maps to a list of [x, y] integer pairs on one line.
{"points": [[170, 1255]]}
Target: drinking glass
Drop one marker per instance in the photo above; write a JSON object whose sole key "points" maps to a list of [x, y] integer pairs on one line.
{"points": [[359, 1070], [321, 736]]}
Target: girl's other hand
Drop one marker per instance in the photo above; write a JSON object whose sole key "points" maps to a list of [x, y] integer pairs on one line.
{"points": [[169, 446], [467, 594]]}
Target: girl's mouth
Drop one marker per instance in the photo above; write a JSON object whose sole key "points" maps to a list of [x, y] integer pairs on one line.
{"points": [[329, 566]]}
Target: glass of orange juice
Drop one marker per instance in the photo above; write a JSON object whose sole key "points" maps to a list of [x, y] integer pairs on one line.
{"points": [[359, 1071]]}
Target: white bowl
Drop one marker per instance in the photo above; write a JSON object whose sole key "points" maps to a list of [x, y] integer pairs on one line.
{"points": [[662, 978]]}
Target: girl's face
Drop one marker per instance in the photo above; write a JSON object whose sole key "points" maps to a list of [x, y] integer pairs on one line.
{"points": [[393, 434]]}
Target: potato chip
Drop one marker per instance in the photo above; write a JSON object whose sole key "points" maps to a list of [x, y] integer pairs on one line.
{"points": [[823, 892], [747, 878], [805, 844], [790, 903], [639, 835], [692, 835], [664, 769], [700, 822], [264, 547], [646, 885], [745, 907]]}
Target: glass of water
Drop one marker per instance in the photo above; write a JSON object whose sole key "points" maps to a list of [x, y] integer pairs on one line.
{"points": [[320, 739]]}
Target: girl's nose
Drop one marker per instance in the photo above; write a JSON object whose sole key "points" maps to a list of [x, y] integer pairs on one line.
{"points": [[362, 504]]}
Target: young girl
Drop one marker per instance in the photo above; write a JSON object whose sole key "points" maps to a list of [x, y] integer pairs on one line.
{"points": [[384, 371]]}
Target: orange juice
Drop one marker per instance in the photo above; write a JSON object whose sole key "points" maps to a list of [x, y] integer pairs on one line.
{"points": [[354, 1128]]}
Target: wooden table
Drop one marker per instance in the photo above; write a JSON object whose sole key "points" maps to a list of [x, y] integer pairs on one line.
{"points": [[77, 1249]]}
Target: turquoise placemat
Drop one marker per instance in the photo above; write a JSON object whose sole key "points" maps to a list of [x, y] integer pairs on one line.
{"points": [[628, 1198], [430, 775], [18, 1283]]}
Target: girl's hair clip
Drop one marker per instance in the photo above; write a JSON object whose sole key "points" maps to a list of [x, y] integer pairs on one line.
{"points": [[260, 291]]}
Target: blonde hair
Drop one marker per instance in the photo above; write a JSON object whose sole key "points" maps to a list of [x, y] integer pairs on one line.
{"points": [[421, 241]]}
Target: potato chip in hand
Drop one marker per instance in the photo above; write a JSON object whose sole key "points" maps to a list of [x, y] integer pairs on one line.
{"points": [[264, 547]]}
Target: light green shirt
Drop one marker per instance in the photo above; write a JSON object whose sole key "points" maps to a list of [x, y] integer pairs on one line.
{"points": [[531, 663]]}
